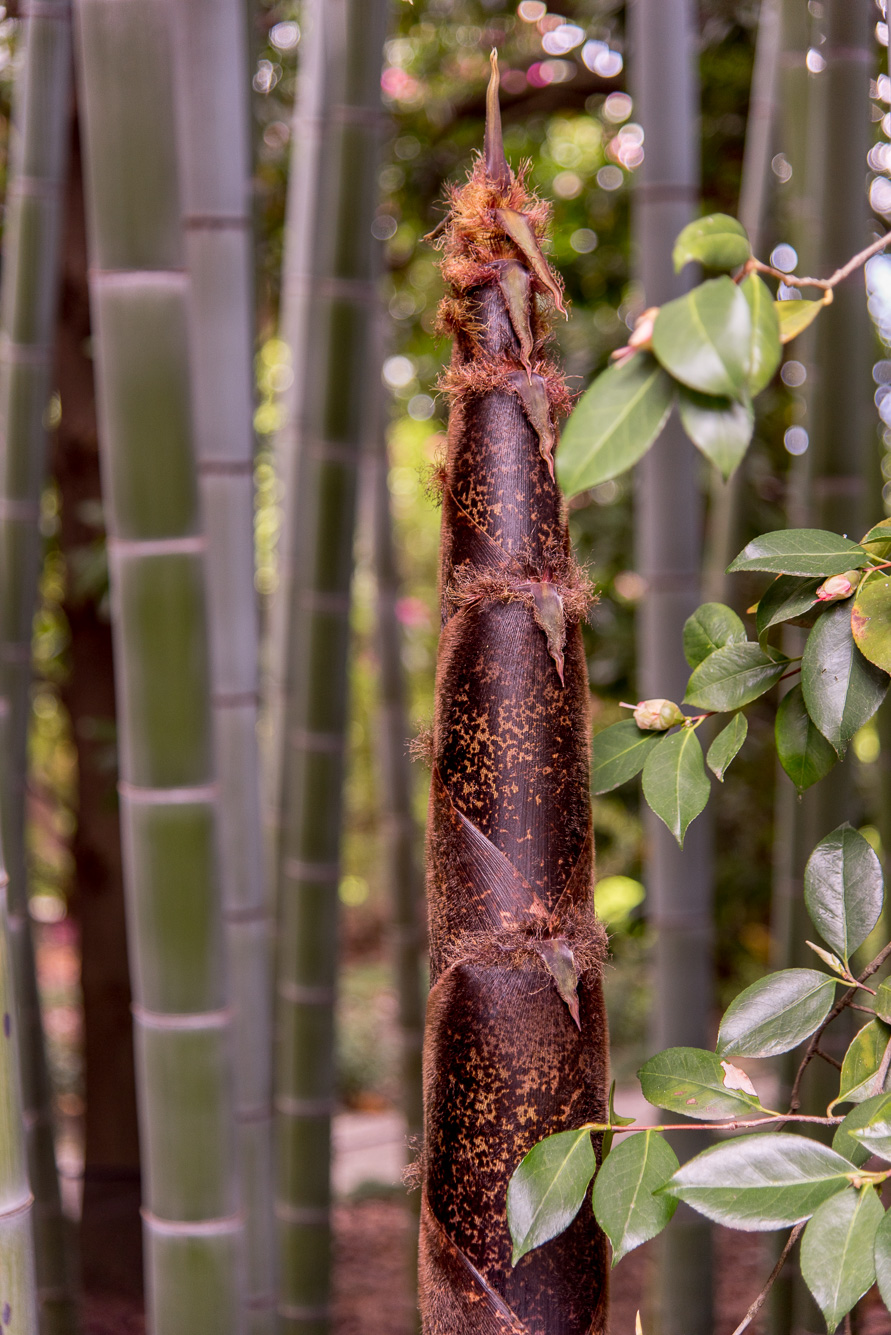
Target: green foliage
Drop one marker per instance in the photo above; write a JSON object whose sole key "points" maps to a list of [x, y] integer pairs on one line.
{"points": [[800, 551], [716, 242], [844, 1141], [734, 676], [863, 1072], [843, 890], [693, 1082], [614, 423], [776, 1013], [758, 1183], [629, 1204], [726, 746], [837, 1251], [704, 338], [765, 351], [842, 690], [709, 628], [618, 754], [802, 750], [720, 428], [871, 619], [547, 1190], [675, 783], [788, 597], [795, 316]]}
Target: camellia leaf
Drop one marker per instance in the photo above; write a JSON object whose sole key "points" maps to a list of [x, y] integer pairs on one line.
{"points": [[842, 689], [803, 751], [871, 619], [862, 1064], [789, 596], [882, 1001], [692, 1081], [875, 1134], [878, 540], [618, 753], [709, 628], [757, 1183], [716, 241], [675, 783], [614, 423], [720, 428], [614, 1119], [733, 676], [800, 551], [844, 889], [843, 1142], [703, 338], [766, 351], [624, 1204], [726, 746], [837, 1251], [794, 316], [882, 1256], [776, 1013], [547, 1189]]}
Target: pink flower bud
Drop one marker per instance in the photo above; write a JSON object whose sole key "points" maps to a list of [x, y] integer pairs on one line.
{"points": [[642, 336], [657, 715], [837, 587]]}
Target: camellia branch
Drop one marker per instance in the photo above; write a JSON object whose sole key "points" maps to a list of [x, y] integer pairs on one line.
{"points": [[824, 284], [842, 1004], [738, 1124], [762, 1296]]}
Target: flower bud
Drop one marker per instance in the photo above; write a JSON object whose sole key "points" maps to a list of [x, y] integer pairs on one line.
{"points": [[837, 587], [642, 335], [657, 715]]}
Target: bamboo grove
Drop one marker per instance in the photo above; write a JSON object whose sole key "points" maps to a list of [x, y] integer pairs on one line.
{"points": [[528, 1180]]}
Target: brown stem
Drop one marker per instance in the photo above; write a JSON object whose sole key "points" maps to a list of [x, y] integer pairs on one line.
{"points": [[738, 1124], [824, 284], [762, 1296], [818, 1052], [842, 1004]]}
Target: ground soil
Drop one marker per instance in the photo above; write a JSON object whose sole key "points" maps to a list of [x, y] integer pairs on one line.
{"points": [[372, 1293]]}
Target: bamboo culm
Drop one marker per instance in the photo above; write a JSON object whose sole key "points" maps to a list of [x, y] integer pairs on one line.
{"points": [[31, 266], [18, 1286], [515, 1044], [193, 1228], [668, 523], [212, 76], [329, 299]]}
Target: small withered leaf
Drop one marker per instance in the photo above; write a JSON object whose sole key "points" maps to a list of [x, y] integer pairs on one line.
{"points": [[557, 955], [520, 230]]}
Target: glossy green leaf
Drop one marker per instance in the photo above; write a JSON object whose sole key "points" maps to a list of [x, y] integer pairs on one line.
{"points": [[802, 750], [843, 1141], [788, 597], [720, 428], [766, 351], [878, 540], [837, 1251], [726, 746], [614, 1119], [882, 1001], [800, 551], [716, 241], [842, 689], [844, 889], [691, 1081], [882, 1257], [761, 1182], [614, 423], [675, 783], [618, 753], [794, 316], [871, 619], [703, 338], [547, 1189], [861, 1068], [709, 628], [733, 676], [875, 1134], [776, 1013], [624, 1204]]}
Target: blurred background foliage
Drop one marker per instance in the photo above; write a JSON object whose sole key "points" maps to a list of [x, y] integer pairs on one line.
{"points": [[567, 115]]}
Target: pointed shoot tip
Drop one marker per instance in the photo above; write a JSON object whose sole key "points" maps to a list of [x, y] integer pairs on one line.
{"points": [[496, 163]]}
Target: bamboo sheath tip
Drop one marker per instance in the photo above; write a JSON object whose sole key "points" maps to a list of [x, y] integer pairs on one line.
{"points": [[497, 168]]}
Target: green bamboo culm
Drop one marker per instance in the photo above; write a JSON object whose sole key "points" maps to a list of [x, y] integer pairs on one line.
{"points": [[139, 292], [28, 301], [214, 149], [328, 312], [668, 511], [18, 1285]]}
